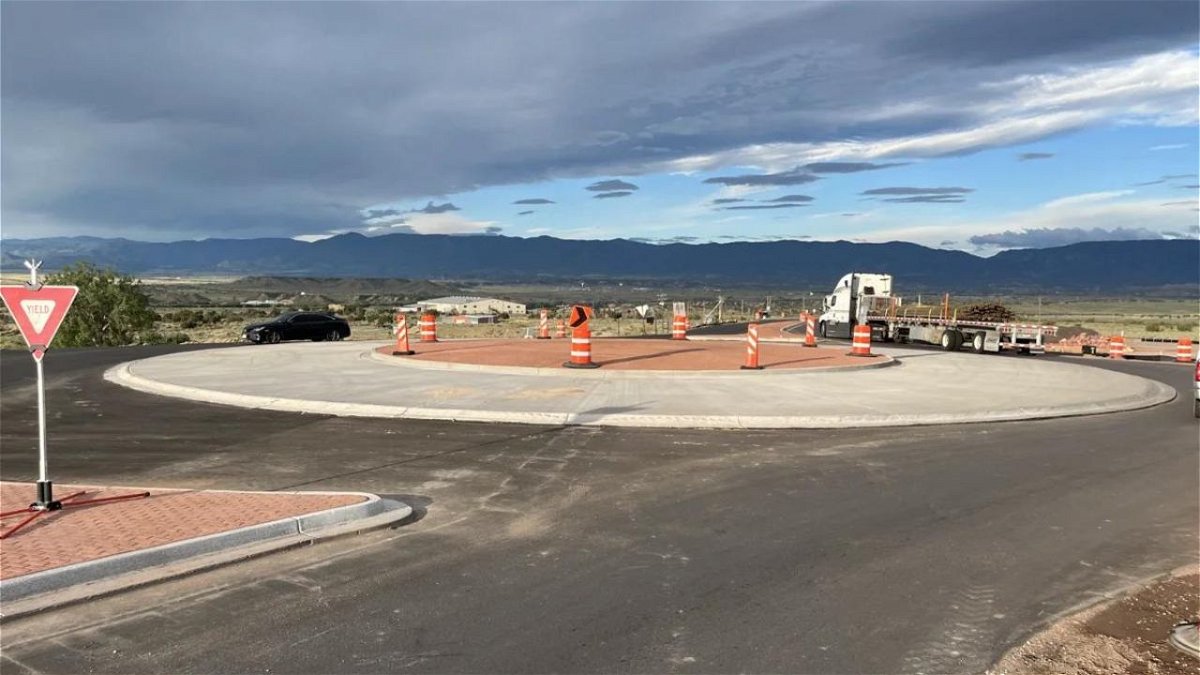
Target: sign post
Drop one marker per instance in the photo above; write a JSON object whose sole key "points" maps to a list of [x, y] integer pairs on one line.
{"points": [[38, 311]]}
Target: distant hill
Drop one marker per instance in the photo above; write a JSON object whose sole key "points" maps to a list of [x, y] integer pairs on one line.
{"points": [[1093, 267]]}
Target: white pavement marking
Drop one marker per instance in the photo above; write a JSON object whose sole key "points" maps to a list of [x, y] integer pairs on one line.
{"points": [[936, 388]]}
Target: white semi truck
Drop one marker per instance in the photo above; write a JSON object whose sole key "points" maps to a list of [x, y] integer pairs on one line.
{"points": [[863, 298]]}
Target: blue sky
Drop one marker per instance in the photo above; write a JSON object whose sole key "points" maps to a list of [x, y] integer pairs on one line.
{"points": [[971, 125]]}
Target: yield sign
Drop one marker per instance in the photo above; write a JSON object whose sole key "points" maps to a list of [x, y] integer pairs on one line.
{"points": [[38, 312]]}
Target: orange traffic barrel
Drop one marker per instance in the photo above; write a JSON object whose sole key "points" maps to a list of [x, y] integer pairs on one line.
{"points": [[428, 328], [581, 348], [861, 346], [1116, 347], [679, 328], [1183, 350], [544, 325]]}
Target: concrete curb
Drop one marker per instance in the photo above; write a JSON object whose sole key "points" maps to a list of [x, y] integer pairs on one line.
{"points": [[881, 361], [71, 583], [1152, 394]]}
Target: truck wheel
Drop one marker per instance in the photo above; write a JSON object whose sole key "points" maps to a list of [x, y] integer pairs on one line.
{"points": [[1196, 409], [822, 330], [977, 343], [951, 340]]}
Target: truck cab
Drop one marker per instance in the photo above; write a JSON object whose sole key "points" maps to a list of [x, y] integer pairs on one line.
{"points": [[847, 305]]}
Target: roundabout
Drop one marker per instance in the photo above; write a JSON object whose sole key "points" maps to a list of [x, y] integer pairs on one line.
{"points": [[515, 381]]}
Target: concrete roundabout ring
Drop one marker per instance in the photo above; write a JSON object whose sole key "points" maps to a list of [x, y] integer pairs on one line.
{"points": [[925, 388]]}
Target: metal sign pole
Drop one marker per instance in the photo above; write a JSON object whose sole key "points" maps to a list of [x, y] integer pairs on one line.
{"points": [[45, 490]]}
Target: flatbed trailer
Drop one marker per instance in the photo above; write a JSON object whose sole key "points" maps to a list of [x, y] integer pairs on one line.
{"points": [[865, 298], [952, 334]]}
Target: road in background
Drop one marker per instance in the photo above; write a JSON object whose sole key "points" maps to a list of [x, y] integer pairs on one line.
{"points": [[587, 549]]}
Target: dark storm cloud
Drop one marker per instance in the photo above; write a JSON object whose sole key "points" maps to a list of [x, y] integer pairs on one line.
{"points": [[917, 191], [727, 200], [381, 213], [537, 200], [1001, 32], [755, 207], [1061, 236], [927, 199], [524, 213], [848, 167], [609, 195], [289, 118], [793, 177], [437, 208], [1026, 156], [790, 198], [610, 186]]}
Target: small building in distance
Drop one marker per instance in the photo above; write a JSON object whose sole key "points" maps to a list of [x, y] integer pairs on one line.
{"points": [[469, 304], [472, 319]]}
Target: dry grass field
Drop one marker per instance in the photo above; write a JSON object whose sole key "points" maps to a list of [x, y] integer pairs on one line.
{"points": [[207, 310]]}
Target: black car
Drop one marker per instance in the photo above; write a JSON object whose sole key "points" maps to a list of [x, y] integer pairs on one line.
{"points": [[313, 326]]}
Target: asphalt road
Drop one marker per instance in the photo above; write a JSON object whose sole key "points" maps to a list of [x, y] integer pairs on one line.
{"points": [[541, 549]]}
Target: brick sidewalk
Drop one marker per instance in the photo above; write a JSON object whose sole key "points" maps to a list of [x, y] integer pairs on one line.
{"points": [[76, 535], [627, 354]]}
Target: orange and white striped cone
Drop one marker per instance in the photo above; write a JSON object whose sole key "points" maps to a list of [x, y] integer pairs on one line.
{"points": [[560, 329], [428, 328], [544, 325], [751, 348], [402, 348], [679, 328], [810, 330], [861, 346], [1183, 350], [581, 348], [1116, 347]]}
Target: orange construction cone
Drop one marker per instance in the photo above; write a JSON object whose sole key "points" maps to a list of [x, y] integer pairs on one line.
{"points": [[428, 328], [679, 328], [810, 330], [402, 348], [560, 329], [1116, 347], [544, 325], [752, 348], [861, 346]]}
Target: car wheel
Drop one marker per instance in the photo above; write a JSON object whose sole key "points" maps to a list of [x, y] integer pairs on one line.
{"points": [[273, 338], [333, 336]]}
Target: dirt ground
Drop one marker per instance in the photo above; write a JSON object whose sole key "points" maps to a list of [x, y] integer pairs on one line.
{"points": [[1127, 635]]}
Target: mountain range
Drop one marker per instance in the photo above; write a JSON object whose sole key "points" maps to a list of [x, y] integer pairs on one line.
{"points": [[1103, 266]]}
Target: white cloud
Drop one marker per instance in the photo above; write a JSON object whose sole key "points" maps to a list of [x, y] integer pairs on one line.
{"points": [[446, 223], [1169, 146], [1094, 213], [313, 237], [1158, 89]]}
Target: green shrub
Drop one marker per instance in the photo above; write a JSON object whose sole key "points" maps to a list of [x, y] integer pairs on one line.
{"points": [[110, 310]]}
